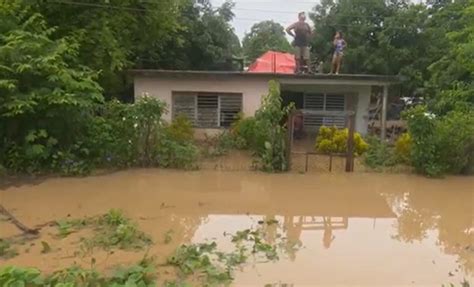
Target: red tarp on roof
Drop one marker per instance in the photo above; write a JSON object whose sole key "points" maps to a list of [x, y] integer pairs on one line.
{"points": [[274, 62]]}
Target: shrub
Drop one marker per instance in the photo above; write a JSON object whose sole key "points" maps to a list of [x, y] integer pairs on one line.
{"points": [[425, 150], [334, 140], [46, 97], [246, 130], [173, 154], [403, 148], [126, 134], [271, 148], [441, 144], [455, 133], [181, 129], [379, 154], [222, 143]]}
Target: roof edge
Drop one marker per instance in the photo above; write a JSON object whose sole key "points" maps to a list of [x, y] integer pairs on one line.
{"points": [[190, 73]]}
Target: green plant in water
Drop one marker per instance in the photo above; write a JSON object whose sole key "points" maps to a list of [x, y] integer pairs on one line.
{"points": [[255, 237], [13, 276], [114, 217], [141, 274], [75, 276], [271, 150], [6, 250], [197, 258], [111, 230], [115, 230], [379, 154]]}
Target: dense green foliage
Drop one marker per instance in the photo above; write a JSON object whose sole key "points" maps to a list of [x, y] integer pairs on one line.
{"points": [[59, 60], [52, 112], [432, 46], [443, 130], [441, 144], [179, 34], [264, 36], [394, 37]]}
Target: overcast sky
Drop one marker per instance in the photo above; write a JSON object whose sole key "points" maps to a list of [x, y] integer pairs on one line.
{"points": [[249, 12]]}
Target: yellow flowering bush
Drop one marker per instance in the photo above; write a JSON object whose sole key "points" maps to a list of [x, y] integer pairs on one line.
{"points": [[334, 140], [403, 147]]}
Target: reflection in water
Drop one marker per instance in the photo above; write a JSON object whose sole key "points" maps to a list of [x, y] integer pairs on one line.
{"points": [[447, 212], [362, 229]]}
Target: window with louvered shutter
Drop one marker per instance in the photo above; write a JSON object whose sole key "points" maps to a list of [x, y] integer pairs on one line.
{"points": [[335, 103], [314, 102], [230, 107], [207, 110], [184, 104], [323, 102]]}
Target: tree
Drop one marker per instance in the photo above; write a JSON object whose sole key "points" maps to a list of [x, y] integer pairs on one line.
{"points": [[263, 37], [456, 64], [113, 36], [360, 21], [45, 94], [205, 40], [388, 37]]}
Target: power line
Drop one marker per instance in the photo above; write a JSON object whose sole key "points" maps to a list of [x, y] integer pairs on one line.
{"points": [[151, 2], [124, 8]]}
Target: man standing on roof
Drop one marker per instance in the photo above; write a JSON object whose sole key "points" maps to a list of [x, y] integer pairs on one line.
{"points": [[301, 32]]}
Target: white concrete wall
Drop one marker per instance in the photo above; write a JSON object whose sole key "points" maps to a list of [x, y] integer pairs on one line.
{"points": [[362, 109], [252, 90]]}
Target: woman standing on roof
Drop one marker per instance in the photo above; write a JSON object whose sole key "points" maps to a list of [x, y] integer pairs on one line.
{"points": [[339, 46]]}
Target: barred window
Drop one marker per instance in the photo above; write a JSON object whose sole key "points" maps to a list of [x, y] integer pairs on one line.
{"points": [[207, 110]]}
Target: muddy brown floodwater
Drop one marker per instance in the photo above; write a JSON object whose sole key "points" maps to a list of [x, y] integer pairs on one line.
{"points": [[360, 229]]}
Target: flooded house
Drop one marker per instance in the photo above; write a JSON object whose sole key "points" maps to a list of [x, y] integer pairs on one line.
{"points": [[212, 100]]}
